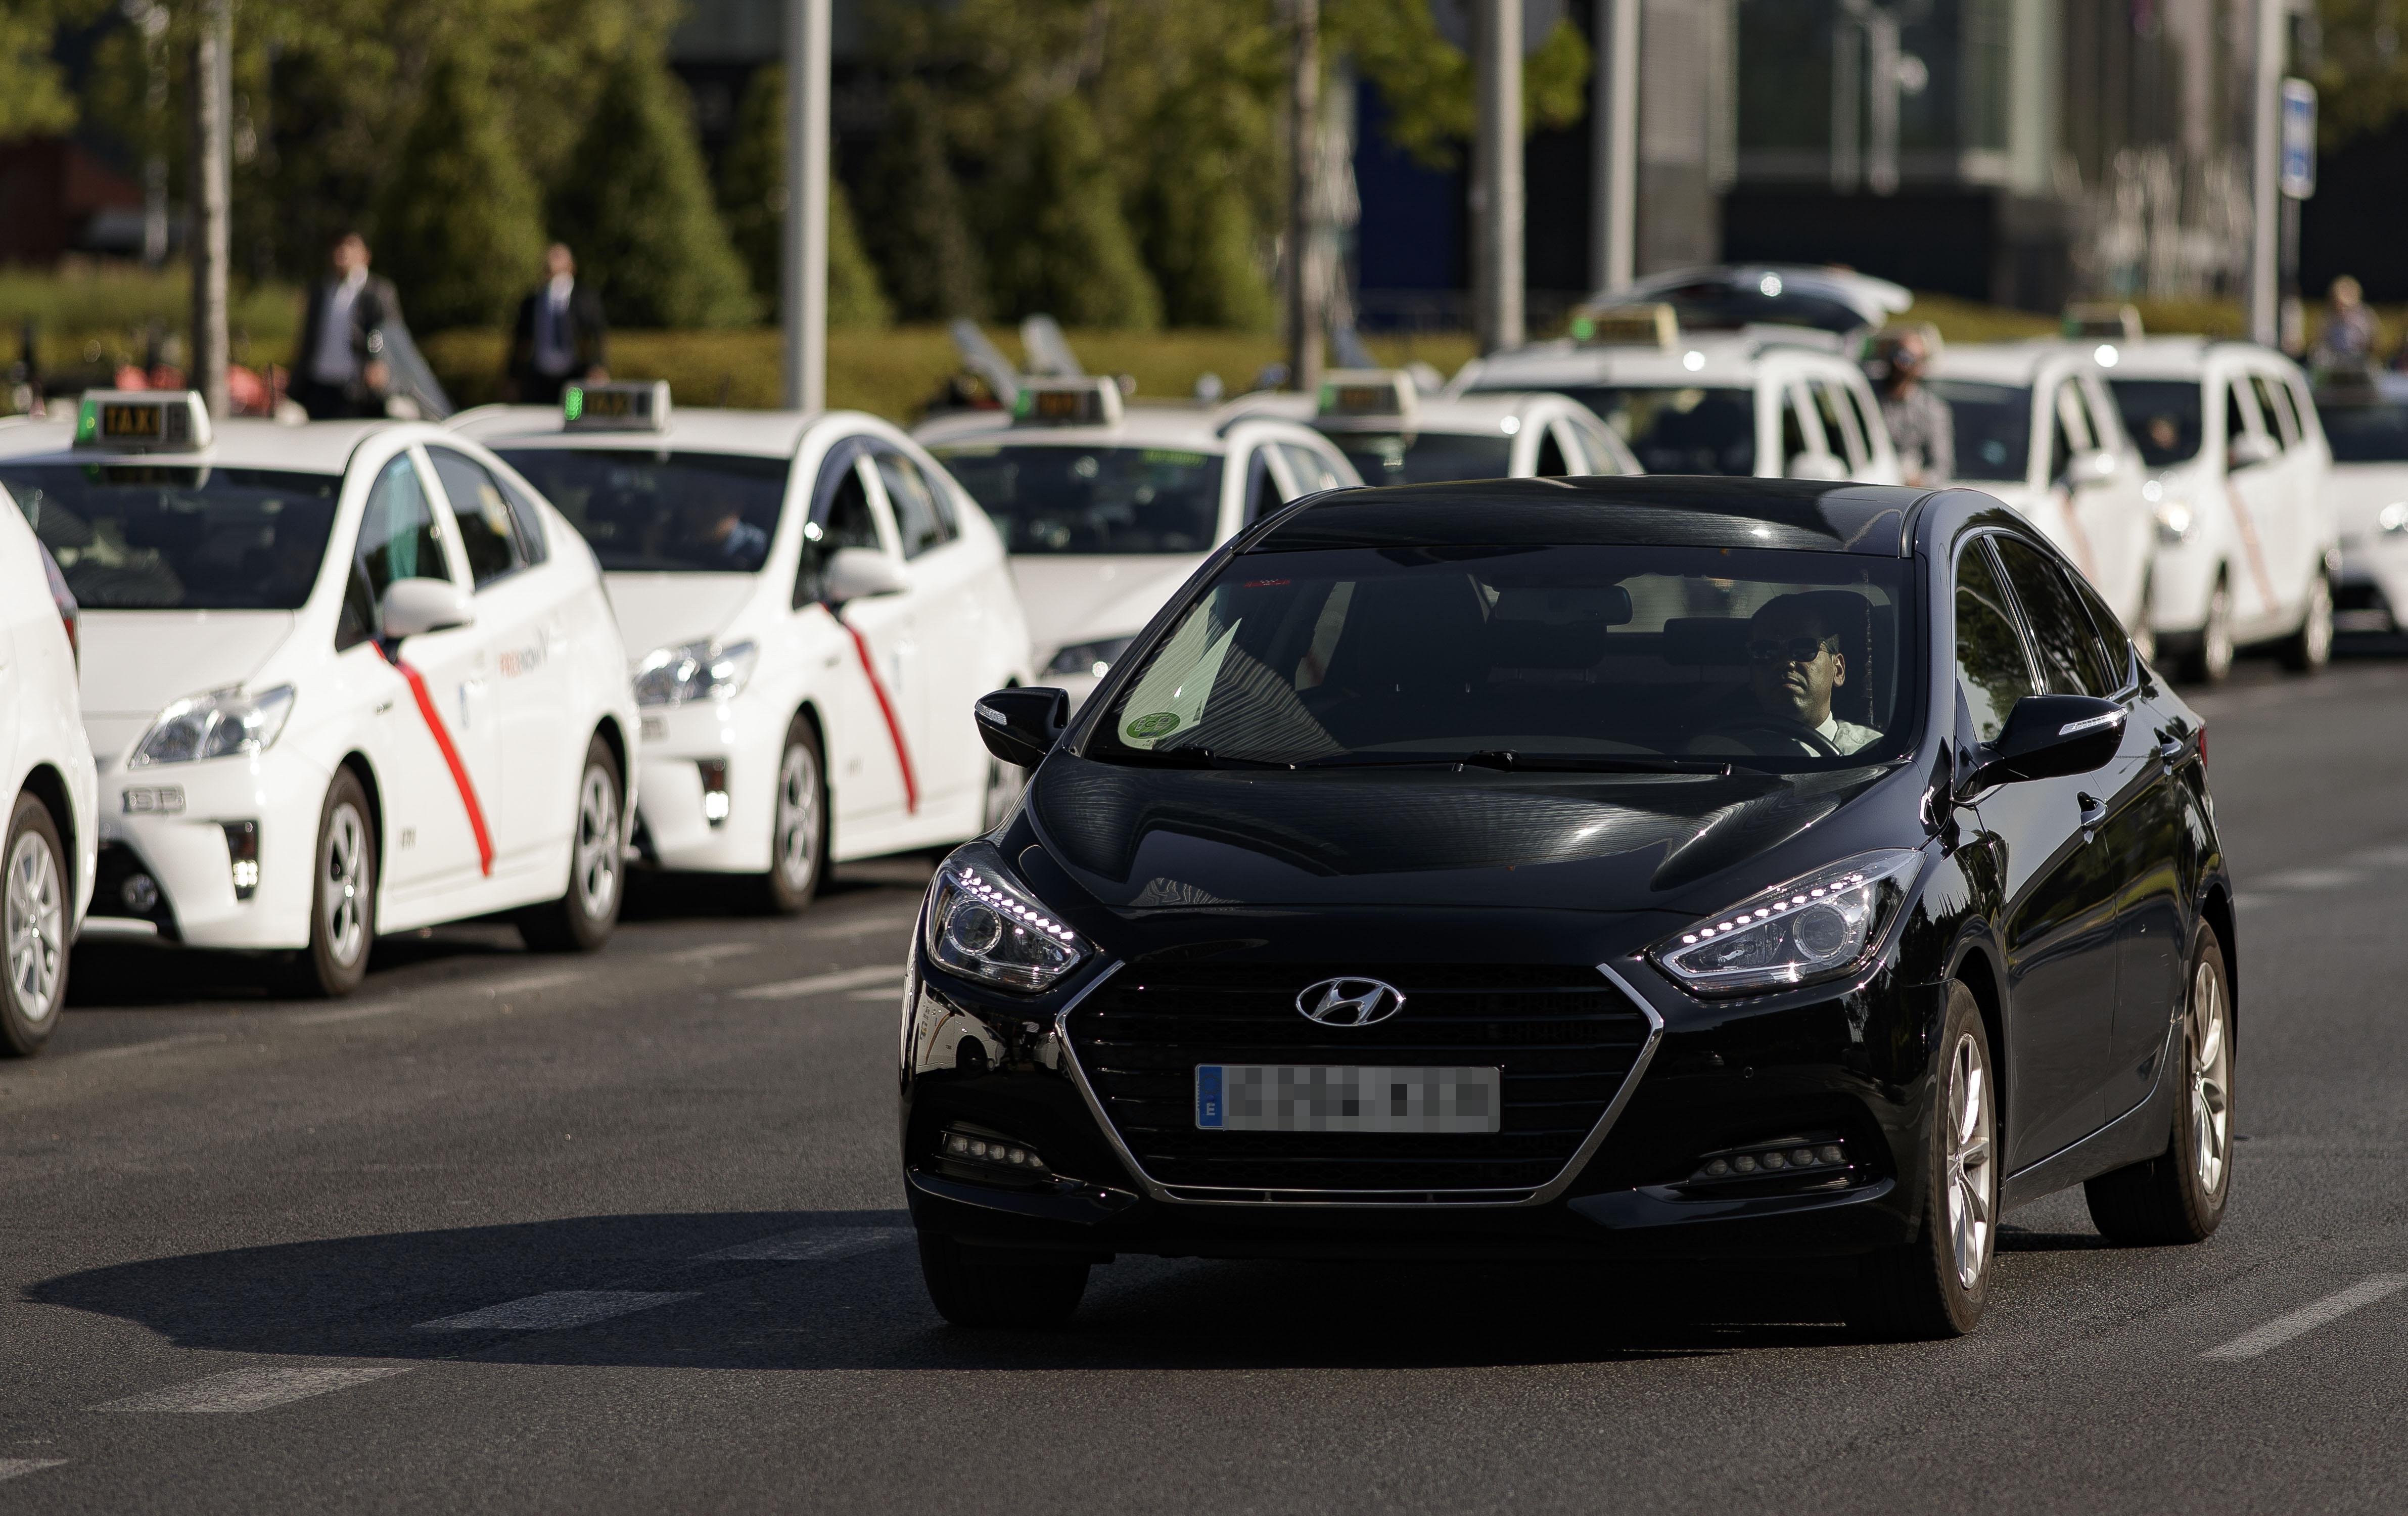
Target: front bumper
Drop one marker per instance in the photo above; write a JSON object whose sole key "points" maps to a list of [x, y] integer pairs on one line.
{"points": [[686, 752], [167, 823], [2371, 594]]}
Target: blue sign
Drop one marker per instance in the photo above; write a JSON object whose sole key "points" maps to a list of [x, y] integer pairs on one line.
{"points": [[2298, 177]]}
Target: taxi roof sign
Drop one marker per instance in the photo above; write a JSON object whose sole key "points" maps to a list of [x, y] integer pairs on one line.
{"points": [[1068, 402], [1388, 393], [2120, 323], [142, 421], [1649, 325], [616, 406]]}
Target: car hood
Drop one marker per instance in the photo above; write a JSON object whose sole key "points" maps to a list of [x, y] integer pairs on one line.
{"points": [[136, 663], [2360, 491], [1140, 838], [665, 610], [1080, 598]]}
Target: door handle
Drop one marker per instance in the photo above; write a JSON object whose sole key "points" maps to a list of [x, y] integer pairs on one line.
{"points": [[2093, 811], [2173, 743]]}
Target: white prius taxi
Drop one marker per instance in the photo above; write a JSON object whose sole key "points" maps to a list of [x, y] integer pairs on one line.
{"points": [[1392, 436], [47, 793], [2365, 419], [812, 607], [341, 679], [1105, 509]]}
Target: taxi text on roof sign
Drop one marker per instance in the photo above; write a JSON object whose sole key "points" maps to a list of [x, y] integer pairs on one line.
{"points": [[1074, 402], [142, 421], [1367, 392], [1651, 325], [619, 406]]}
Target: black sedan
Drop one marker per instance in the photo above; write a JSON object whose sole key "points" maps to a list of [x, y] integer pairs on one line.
{"points": [[1580, 868]]}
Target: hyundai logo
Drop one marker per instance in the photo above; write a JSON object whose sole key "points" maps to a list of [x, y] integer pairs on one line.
{"points": [[1349, 1002]]}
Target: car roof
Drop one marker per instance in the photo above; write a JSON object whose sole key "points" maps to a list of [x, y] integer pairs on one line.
{"points": [[1810, 514], [1470, 415], [2184, 357], [1186, 427], [1724, 359], [2006, 362], [751, 434], [237, 442]]}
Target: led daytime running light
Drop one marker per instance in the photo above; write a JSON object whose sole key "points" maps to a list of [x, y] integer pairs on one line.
{"points": [[977, 887], [1778, 907]]}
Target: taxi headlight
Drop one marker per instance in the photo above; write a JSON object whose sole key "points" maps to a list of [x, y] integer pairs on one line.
{"points": [[696, 671], [2393, 518], [218, 724], [1817, 926], [1092, 658], [2175, 521], [984, 925]]}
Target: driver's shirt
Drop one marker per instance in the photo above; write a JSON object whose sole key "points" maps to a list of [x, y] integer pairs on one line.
{"points": [[1847, 736]]}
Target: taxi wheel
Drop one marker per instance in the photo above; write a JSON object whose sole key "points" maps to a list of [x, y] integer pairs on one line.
{"points": [[798, 834], [2178, 1197], [2310, 647], [342, 896], [35, 908], [2209, 658], [1937, 1285], [581, 919], [985, 1287]]}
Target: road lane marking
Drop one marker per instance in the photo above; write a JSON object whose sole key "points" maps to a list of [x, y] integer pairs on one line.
{"points": [[2313, 879], [870, 996], [710, 952], [11, 1468], [522, 984], [2300, 1323], [159, 1044], [815, 1242], [554, 1309], [242, 1390], [861, 925], [851, 978]]}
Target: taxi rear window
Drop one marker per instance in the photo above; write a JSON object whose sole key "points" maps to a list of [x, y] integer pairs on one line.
{"points": [[147, 537], [1050, 498], [1426, 457], [1688, 429], [1993, 427], [661, 510]]}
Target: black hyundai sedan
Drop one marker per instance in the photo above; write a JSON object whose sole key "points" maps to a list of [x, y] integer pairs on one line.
{"points": [[1583, 868]]}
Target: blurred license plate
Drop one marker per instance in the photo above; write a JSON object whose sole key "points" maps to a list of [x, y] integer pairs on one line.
{"points": [[1289, 1097]]}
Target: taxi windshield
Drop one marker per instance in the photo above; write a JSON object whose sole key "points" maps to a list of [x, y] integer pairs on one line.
{"points": [[677, 512], [2162, 415], [2365, 432], [1056, 499], [146, 536], [1692, 429], [1993, 427], [1424, 457], [1608, 658]]}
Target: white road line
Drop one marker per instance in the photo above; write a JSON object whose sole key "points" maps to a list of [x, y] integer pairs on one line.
{"points": [[860, 926], [2313, 879], [11, 1468], [882, 997], [851, 978], [160, 1044], [2390, 855], [815, 1242], [522, 984], [254, 1389], [2282, 1329], [554, 1309], [710, 952]]}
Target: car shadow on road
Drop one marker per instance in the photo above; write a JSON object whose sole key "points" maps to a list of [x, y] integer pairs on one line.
{"points": [[132, 976], [842, 1290]]}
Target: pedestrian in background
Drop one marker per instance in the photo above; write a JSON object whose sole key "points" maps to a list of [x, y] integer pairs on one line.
{"points": [[341, 370], [2346, 345], [559, 335], [1920, 424]]}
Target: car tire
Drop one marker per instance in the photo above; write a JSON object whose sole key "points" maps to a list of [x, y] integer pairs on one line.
{"points": [[2208, 659], [2308, 649], [1937, 1285], [799, 827], [2179, 1195], [36, 912], [989, 1287], [581, 919], [342, 897]]}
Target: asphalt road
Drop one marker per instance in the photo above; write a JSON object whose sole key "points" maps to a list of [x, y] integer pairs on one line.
{"points": [[510, 1233]]}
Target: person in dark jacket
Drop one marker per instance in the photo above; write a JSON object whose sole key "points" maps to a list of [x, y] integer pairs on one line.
{"points": [[559, 336], [341, 370]]}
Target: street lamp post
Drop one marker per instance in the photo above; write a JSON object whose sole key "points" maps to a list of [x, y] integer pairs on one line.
{"points": [[804, 266], [1496, 176], [213, 206], [1307, 290], [1614, 142]]}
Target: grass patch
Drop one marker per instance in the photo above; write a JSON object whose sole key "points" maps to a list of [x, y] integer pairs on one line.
{"points": [[102, 313]]}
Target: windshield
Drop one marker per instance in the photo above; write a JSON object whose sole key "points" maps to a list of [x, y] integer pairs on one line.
{"points": [[2361, 432], [1052, 499], [682, 513], [1676, 431], [1424, 457], [1568, 657], [1993, 427], [142, 536], [2162, 415]]}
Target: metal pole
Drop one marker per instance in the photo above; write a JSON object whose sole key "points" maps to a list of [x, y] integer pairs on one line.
{"points": [[212, 150], [1497, 185], [1881, 106], [805, 265], [1614, 148], [2265, 299], [1307, 296]]}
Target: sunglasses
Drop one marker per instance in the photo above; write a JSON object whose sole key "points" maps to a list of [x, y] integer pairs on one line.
{"points": [[1792, 650]]}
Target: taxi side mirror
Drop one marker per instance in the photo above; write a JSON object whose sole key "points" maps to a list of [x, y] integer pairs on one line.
{"points": [[2047, 737], [2245, 452], [413, 606], [859, 573], [2095, 466], [1021, 726]]}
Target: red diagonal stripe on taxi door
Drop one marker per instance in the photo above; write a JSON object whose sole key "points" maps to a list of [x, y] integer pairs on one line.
{"points": [[886, 709], [460, 780]]}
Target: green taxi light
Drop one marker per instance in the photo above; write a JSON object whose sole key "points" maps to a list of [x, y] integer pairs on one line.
{"points": [[1022, 401], [88, 422], [572, 403], [1583, 328]]}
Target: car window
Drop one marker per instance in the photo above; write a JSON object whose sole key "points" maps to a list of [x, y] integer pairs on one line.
{"points": [[2106, 428], [2069, 430], [1992, 672], [2114, 643], [1427, 457], [1602, 456], [842, 518], [2162, 417], [913, 502], [1689, 430], [2275, 403], [2240, 415], [1262, 491], [1799, 432], [1992, 424], [1840, 422], [1551, 464], [1311, 470], [2303, 409], [657, 510], [527, 522], [1868, 419], [398, 535], [2071, 657], [482, 514], [137, 536], [2365, 429], [1071, 498]]}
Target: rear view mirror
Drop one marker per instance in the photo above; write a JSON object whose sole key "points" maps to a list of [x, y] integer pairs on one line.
{"points": [[1021, 726], [859, 573], [2048, 737], [414, 605]]}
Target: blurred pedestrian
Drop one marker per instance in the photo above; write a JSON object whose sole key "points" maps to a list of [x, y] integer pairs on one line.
{"points": [[2346, 345], [1921, 426], [559, 335], [340, 369]]}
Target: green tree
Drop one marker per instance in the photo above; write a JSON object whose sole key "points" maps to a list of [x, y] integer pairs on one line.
{"points": [[2362, 77], [752, 198], [1064, 247], [1201, 229], [1427, 81], [460, 231], [34, 97], [917, 226]]}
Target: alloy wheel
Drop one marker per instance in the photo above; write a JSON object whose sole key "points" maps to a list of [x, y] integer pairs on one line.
{"points": [[346, 893], [2215, 637], [597, 843], [2317, 635], [35, 927], [2211, 1079], [798, 816], [1973, 1176]]}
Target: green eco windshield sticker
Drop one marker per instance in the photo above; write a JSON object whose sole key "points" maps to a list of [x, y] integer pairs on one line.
{"points": [[1161, 723]]}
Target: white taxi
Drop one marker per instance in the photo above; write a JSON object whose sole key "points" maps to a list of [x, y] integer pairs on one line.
{"points": [[48, 792], [1392, 436], [812, 607], [2247, 542], [1106, 509], [2035, 426], [1767, 403], [341, 679], [2366, 424]]}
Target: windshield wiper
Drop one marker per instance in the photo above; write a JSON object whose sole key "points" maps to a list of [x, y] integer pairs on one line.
{"points": [[1512, 762], [1192, 758]]}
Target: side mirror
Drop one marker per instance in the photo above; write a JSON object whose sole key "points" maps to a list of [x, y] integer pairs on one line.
{"points": [[2245, 452], [1818, 465], [2048, 737], [859, 573], [1021, 726], [414, 605], [2095, 466]]}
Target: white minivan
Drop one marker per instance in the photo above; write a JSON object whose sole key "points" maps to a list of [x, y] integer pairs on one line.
{"points": [[2366, 423]]}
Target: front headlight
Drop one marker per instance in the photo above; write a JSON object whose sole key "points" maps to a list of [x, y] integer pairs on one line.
{"points": [[2392, 520], [2176, 521], [218, 724], [984, 924], [696, 671], [1817, 926], [1093, 658]]}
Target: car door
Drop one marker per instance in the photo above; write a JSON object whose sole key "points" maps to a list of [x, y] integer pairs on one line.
{"points": [[2075, 513], [2056, 928], [946, 617], [2253, 493], [2292, 544], [2124, 528], [871, 763]]}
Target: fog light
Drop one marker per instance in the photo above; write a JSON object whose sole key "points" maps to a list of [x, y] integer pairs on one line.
{"points": [[140, 892], [714, 790], [1813, 1156], [992, 1153], [242, 856]]}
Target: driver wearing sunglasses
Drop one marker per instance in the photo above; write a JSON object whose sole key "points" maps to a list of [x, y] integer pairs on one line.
{"points": [[1794, 664]]}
